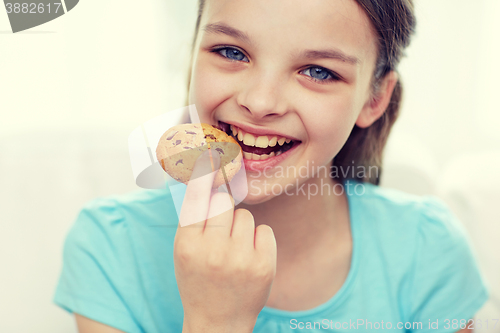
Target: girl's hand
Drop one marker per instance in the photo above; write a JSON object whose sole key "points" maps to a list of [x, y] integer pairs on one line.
{"points": [[224, 266]]}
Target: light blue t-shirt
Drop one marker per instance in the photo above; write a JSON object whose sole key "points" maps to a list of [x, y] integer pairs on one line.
{"points": [[411, 263]]}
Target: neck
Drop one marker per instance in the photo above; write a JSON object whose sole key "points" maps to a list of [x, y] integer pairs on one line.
{"points": [[304, 223]]}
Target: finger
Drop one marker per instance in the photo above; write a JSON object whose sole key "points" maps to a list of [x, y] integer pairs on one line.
{"points": [[243, 229], [220, 215], [199, 189], [265, 244]]}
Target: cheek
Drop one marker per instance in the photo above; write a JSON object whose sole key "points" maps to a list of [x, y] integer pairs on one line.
{"points": [[208, 89], [330, 122]]}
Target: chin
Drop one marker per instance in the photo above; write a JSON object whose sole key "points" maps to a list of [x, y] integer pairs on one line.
{"points": [[256, 198]]}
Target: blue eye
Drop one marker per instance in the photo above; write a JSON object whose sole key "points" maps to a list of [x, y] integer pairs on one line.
{"points": [[231, 53], [320, 74]]}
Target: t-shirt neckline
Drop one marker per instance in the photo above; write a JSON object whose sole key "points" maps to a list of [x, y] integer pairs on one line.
{"points": [[342, 293]]}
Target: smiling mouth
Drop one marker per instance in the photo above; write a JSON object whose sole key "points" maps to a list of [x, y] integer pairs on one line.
{"points": [[258, 147]]}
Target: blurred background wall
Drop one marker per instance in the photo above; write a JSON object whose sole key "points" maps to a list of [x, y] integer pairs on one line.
{"points": [[73, 89]]}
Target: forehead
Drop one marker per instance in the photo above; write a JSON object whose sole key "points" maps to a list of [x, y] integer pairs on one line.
{"points": [[293, 25]]}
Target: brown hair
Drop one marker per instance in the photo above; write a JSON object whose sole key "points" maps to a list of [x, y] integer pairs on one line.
{"points": [[394, 22]]}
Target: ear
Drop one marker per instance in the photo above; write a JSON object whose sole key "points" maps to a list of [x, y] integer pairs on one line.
{"points": [[375, 107]]}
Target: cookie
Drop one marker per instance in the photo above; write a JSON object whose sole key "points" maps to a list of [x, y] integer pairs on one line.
{"points": [[180, 146]]}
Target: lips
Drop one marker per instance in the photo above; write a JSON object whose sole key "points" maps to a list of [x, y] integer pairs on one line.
{"points": [[255, 130]]}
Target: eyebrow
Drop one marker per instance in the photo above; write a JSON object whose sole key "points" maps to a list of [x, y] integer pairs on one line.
{"points": [[222, 28], [329, 54]]}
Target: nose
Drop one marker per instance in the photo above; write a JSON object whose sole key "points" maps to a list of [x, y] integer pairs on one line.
{"points": [[262, 95]]}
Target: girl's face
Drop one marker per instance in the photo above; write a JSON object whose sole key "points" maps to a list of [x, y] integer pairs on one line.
{"points": [[295, 69]]}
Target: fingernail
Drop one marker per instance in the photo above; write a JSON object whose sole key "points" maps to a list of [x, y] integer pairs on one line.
{"points": [[209, 160], [203, 165], [205, 155]]}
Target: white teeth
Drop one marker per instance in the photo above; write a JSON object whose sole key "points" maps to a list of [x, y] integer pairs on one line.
{"points": [[249, 139], [255, 157], [264, 157], [273, 141], [262, 142]]}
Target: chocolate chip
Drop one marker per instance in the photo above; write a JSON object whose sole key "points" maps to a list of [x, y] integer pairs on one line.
{"points": [[211, 136], [172, 135], [177, 142], [188, 132], [220, 150], [186, 147], [179, 161]]}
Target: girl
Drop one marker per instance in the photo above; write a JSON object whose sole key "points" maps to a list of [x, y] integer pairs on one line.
{"points": [[312, 84]]}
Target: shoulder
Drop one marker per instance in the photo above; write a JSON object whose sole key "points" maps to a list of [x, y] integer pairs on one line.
{"points": [[133, 198], [421, 240], [119, 232], [107, 253], [140, 206], [404, 225], [392, 207], [117, 220], [386, 197]]}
